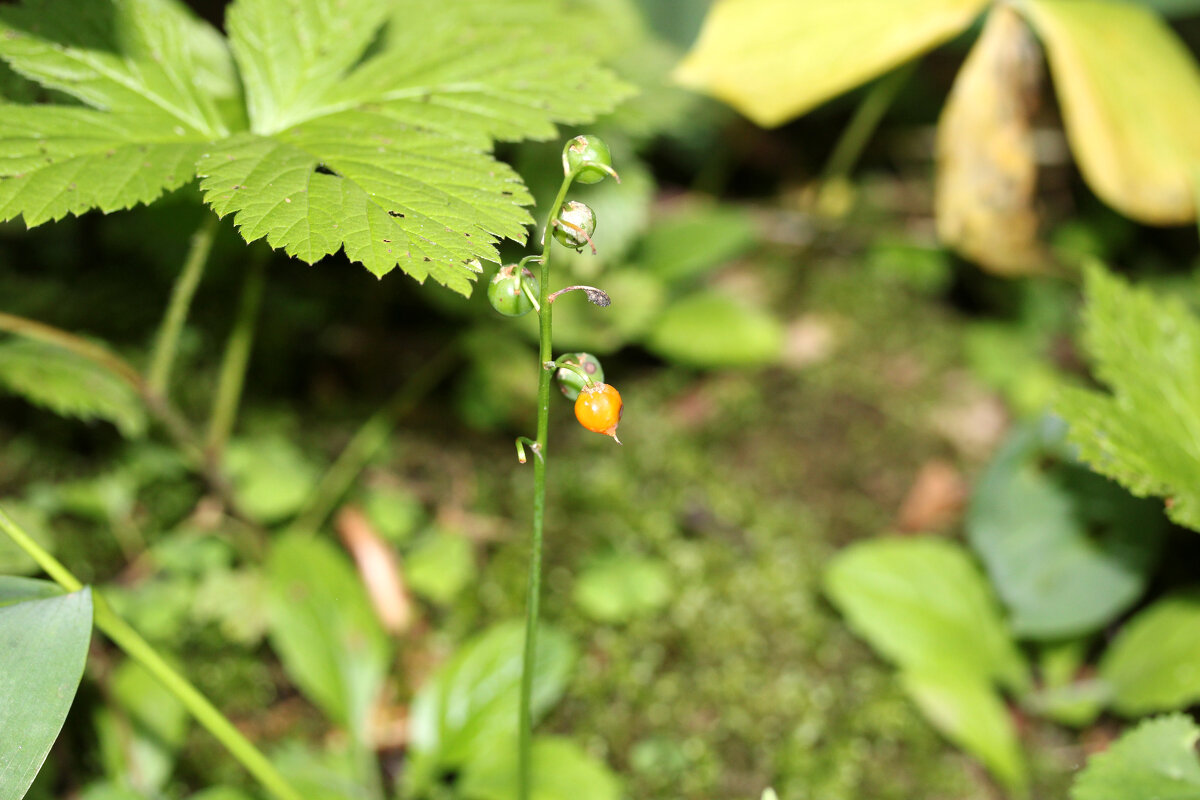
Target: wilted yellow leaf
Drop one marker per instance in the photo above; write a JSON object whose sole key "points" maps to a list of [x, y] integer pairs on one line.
{"points": [[987, 165], [1130, 95], [775, 59]]}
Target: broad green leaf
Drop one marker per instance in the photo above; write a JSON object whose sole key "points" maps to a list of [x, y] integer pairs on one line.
{"points": [[271, 476], [16, 590], [1146, 434], [561, 769], [1129, 90], [471, 701], [328, 772], [970, 712], [370, 123], [1155, 759], [924, 605], [68, 384], [324, 630], [619, 588], [440, 566], [1067, 550], [43, 645], [710, 329], [1154, 663], [775, 59]]}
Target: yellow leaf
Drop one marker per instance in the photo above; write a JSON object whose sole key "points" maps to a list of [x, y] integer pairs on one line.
{"points": [[1130, 95], [986, 159], [775, 59]]}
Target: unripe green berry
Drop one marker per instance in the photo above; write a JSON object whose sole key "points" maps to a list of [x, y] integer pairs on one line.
{"points": [[570, 381], [588, 154], [505, 292], [576, 224]]}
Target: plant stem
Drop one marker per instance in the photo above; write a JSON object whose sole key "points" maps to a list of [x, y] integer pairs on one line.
{"points": [[137, 648], [233, 364], [184, 289], [862, 125], [97, 354], [367, 443], [534, 597]]}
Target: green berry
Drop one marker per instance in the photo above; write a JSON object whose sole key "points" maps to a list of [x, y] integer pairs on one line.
{"points": [[590, 156], [570, 381], [506, 294], [576, 224]]}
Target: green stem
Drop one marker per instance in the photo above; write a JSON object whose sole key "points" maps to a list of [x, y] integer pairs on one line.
{"points": [[181, 299], [866, 119], [534, 598], [137, 648], [369, 440], [233, 364]]}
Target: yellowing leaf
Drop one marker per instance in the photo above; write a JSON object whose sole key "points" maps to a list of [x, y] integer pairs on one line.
{"points": [[775, 59], [987, 168], [1130, 95]]}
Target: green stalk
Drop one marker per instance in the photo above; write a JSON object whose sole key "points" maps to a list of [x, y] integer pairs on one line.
{"points": [[862, 125], [367, 443], [137, 648], [181, 300], [233, 364], [534, 598]]}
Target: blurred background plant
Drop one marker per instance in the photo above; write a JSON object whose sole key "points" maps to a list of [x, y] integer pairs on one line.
{"points": [[814, 359]]}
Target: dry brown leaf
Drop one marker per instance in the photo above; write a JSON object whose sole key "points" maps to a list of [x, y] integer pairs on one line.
{"points": [[379, 567]]}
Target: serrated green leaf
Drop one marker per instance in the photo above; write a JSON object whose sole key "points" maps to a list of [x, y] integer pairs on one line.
{"points": [[1154, 663], [69, 385], [1146, 434], [1156, 759], [43, 645], [925, 606]]}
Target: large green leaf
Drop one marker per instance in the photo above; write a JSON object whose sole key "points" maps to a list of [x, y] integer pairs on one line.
{"points": [[1129, 90], [560, 769], [775, 59], [471, 702], [711, 329], [68, 384], [1146, 434], [969, 711], [324, 630], [366, 127], [1156, 759], [15, 590], [1067, 550], [924, 605], [1152, 664], [43, 646]]}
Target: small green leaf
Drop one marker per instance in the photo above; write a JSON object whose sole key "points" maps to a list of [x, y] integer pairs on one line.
{"points": [[1067, 550], [43, 646], [324, 630], [620, 588], [560, 769], [775, 59], [969, 711], [271, 477], [924, 605], [68, 384], [471, 701], [691, 244], [710, 329], [440, 566], [141, 736], [1147, 349], [1155, 759], [1154, 663]]}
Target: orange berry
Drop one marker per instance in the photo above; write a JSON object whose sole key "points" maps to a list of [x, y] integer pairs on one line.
{"points": [[598, 408]]}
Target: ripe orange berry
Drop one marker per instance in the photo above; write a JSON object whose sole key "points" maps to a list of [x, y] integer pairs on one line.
{"points": [[598, 408]]}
